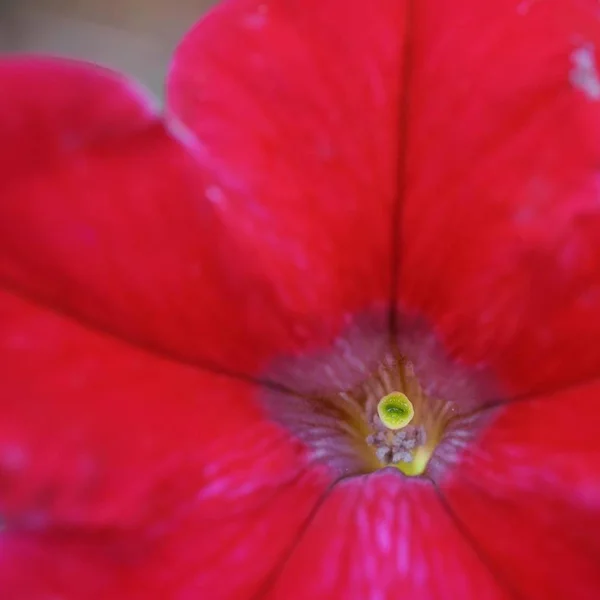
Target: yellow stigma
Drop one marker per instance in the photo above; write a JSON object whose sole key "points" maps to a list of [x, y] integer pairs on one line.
{"points": [[417, 466], [395, 411]]}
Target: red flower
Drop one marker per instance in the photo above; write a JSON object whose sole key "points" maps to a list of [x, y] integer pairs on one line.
{"points": [[198, 320]]}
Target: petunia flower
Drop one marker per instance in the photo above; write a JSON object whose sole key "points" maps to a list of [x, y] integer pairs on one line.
{"points": [[326, 327]]}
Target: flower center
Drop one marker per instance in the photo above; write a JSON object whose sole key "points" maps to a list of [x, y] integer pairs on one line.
{"points": [[403, 425], [361, 405]]}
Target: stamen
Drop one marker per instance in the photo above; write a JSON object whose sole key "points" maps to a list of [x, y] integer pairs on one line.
{"points": [[395, 411], [403, 433], [363, 405]]}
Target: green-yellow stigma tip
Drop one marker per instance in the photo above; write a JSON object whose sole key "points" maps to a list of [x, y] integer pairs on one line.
{"points": [[418, 464], [395, 411]]}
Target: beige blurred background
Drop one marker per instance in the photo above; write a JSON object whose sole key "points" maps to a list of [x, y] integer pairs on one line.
{"points": [[137, 36]]}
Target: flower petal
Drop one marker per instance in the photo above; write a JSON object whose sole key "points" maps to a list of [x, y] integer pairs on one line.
{"points": [[299, 109], [501, 222], [119, 468], [378, 536], [93, 425], [529, 493], [227, 551], [103, 215], [102, 212]]}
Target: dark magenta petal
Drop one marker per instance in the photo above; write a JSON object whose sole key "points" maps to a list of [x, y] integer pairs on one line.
{"points": [[501, 220]]}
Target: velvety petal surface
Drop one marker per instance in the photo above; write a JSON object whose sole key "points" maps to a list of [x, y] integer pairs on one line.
{"points": [[103, 213], [299, 109], [529, 494], [127, 475], [501, 220], [227, 553], [385, 537]]}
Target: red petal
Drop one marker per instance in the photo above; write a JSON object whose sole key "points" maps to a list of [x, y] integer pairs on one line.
{"points": [[502, 220], [236, 539], [90, 426], [299, 109], [383, 537], [117, 466], [529, 493], [103, 215], [225, 547], [102, 212]]}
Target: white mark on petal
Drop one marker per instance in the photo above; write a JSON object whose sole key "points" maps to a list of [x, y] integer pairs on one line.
{"points": [[584, 72], [258, 18], [524, 6], [215, 194]]}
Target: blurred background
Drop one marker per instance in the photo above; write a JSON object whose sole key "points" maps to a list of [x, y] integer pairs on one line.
{"points": [[136, 36]]}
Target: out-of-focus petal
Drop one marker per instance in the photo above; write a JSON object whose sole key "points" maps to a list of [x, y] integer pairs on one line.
{"points": [[529, 494], [103, 215], [126, 475], [501, 221], [91, 427], [223, 547]]}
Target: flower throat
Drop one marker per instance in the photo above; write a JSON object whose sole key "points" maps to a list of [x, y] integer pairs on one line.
{"points": [[401, 425]]}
